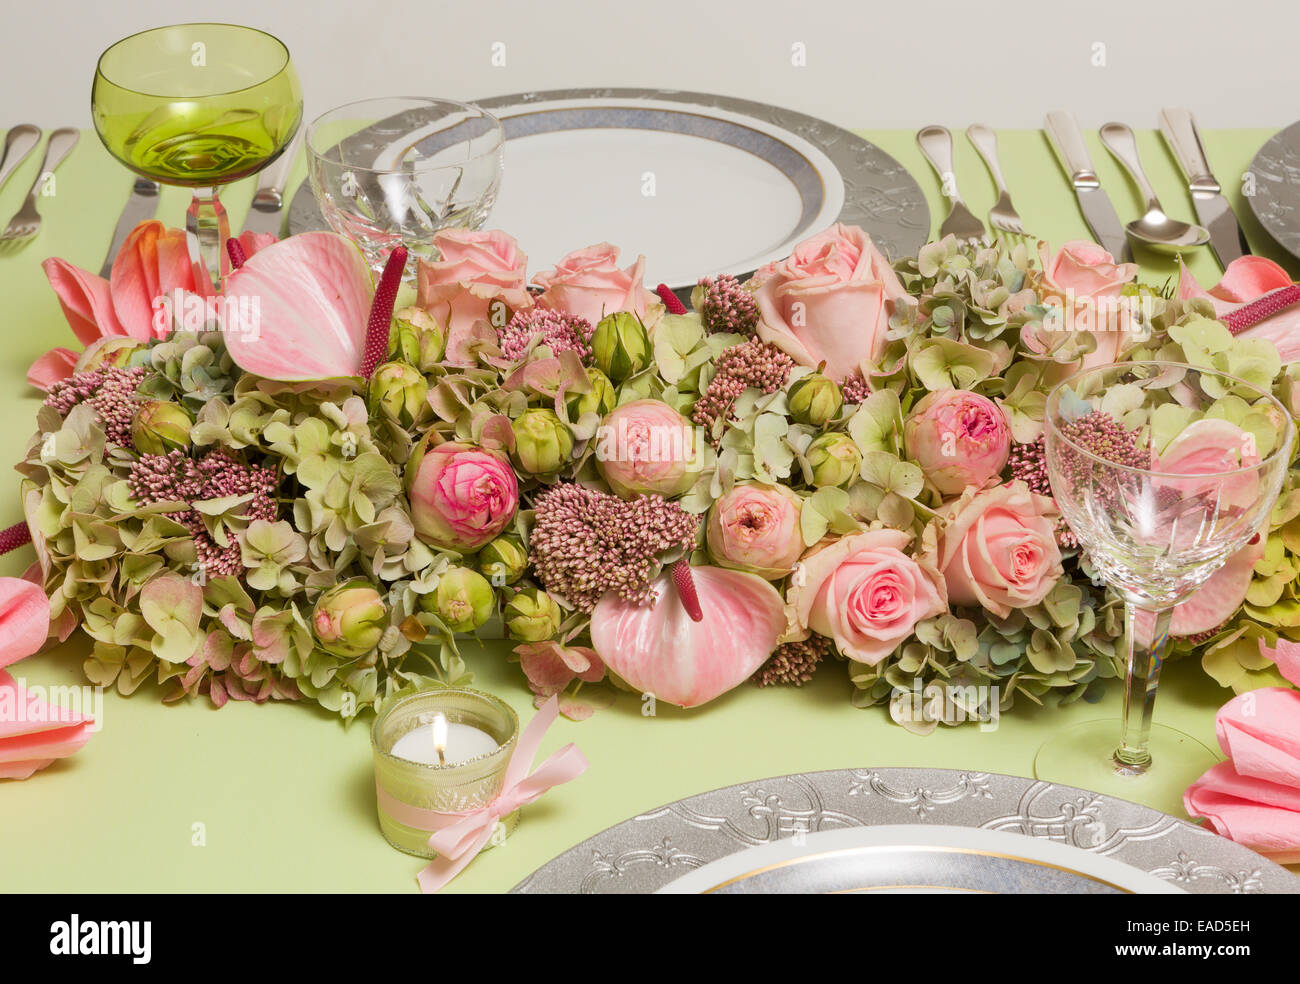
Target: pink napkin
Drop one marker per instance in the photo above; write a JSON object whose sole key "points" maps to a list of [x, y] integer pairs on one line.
{"points": [[1254, 797], [33, 733]]}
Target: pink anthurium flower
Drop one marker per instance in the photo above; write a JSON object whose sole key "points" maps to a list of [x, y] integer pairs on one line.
{"points": [[32, 733], [306, 301], [659, 649], [153, 263], [1245, 279]]}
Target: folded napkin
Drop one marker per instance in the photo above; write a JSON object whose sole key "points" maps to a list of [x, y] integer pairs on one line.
{"points": [[33, 733], [1254, 797]]}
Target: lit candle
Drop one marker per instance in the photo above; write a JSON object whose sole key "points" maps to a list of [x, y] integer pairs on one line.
{"points": [[444, 743], [476, 734]]}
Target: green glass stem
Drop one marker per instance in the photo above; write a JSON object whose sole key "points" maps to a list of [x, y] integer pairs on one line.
{"points": [[206, 230], [1146, 653]]}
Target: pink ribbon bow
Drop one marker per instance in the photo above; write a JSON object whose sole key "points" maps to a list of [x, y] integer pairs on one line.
{"points": [[459, 836]]}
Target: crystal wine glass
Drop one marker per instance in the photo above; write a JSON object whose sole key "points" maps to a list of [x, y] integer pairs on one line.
{"points": [[397, 170], [1162, 471], [198, 105]]}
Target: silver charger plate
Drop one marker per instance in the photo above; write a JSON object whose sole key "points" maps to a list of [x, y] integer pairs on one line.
{"points": [[698, 183], [1276, 199], [649, 852]]}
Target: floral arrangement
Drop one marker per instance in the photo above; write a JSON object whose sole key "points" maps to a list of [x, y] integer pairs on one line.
{"points": [[304, 494]]}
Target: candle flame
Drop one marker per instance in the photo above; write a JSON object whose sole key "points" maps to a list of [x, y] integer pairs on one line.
{"points": [[440, 737]]}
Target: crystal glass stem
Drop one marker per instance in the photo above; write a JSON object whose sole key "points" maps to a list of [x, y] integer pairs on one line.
{"points": [[1146, 653], [207, 228]]}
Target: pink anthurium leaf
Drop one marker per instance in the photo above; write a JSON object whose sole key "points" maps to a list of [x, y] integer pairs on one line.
{"points": [[658, 649], [311, 294], [24, 619], [43, 733], [1286, 654], [1215, 601]]}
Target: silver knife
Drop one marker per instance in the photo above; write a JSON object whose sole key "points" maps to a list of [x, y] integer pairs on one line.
{"points": [[142, 205], [1094, 203], [266, 214], [1226, 238]]}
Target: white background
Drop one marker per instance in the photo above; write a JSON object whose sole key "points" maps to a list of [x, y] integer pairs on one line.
{"points": [[900, 64]]}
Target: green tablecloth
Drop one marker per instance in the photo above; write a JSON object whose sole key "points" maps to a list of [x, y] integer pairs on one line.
{"points": [[281, 797]]}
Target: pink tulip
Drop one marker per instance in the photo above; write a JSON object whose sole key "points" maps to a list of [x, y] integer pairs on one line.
{"points": [[755, 528], [461, 496], [960, 439], [153, 263], [476, 272]]}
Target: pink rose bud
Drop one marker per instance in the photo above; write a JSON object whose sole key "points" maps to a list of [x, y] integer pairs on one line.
{"points": [[756, 528], [461, 496], [960, 439], [646, 448]]}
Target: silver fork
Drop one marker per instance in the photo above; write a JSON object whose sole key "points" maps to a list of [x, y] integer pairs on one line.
{"points": [[936, 144], [26, 223], [1002, 216]]}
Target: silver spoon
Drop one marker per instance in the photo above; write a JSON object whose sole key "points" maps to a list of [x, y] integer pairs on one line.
{"points": [[1155, 230]]}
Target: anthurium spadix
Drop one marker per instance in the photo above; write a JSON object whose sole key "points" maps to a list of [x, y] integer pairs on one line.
{"points": [[297, 309], [660, 649]]}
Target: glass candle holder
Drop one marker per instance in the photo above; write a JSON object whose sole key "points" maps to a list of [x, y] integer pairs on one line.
{"points": [[449, 788]]}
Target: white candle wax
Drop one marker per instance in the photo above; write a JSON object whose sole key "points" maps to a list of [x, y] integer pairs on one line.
{"points": [[464, 742]]}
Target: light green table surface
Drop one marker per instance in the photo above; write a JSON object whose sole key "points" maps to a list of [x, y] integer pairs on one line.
{"points": [[285, 794]]}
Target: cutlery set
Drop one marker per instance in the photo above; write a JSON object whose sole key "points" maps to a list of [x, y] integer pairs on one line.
{"points": [[1154, 229], [265, 215], [19, 144]]}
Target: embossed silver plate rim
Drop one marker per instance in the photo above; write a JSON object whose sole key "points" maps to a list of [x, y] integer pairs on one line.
{"points": [[1276, 199], [879, 194], [648, 851]]}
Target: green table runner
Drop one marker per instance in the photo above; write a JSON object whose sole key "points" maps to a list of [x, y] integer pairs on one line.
{"points": [[249, 798]]}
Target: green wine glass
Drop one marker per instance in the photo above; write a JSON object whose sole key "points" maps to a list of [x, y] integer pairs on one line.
{"points": [[200, 106]]}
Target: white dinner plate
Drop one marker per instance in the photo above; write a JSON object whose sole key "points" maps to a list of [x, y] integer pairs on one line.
{"points": [[917, 859], [698, 184]]}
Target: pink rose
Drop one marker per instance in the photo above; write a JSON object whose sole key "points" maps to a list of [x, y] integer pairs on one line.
{"points": [[1085, 284], [998, 548], [588, 283], [477, 269], [646, 447], [461, 496], [756, 528], [830, 301], [960, 439], [865, 593]]}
